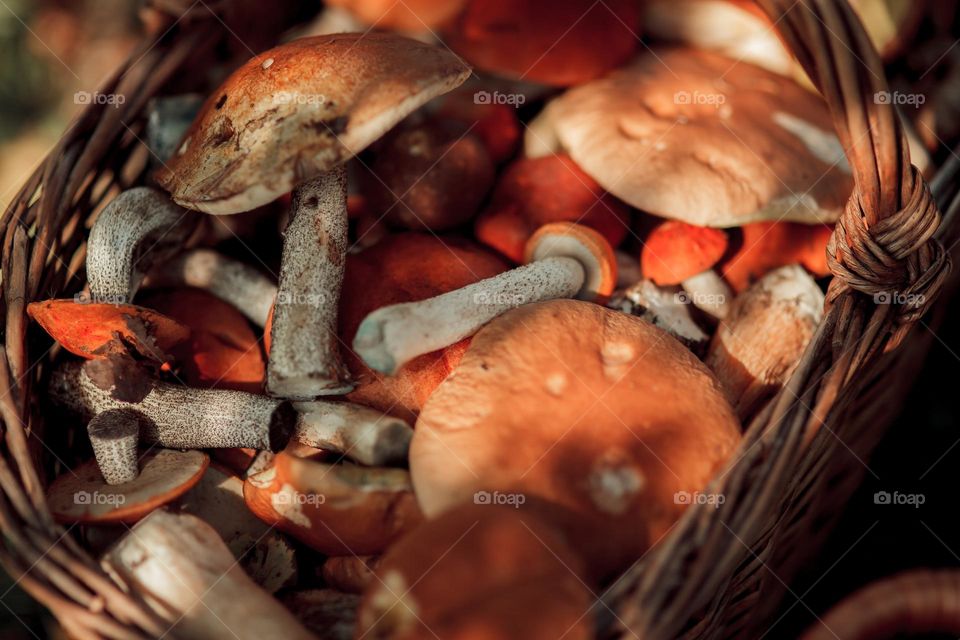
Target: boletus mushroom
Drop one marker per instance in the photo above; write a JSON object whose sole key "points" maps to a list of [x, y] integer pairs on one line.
{"points": [[288, 120], [564, 260], [609, 432]]}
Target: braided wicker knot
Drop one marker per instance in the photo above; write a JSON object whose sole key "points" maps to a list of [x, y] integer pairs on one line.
{"points": [[896, 261]]}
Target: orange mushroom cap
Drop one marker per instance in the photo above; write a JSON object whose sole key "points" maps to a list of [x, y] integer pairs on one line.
{"points": [[536, 191], [84, 328], [409, 15], [675, 251], [555, 42], [769, 245], [405, 268], [591, 249], [223, 351]]}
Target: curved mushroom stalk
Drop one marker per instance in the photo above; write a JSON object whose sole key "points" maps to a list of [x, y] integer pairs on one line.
{"points": [[565, 260], [139, 227], [184, 571], [181, 417], [355, 431], [234, 282], [114, 435], [305, 350]]}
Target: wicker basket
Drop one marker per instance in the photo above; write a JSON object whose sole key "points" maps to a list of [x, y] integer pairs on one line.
{"points": [[722, 570]]}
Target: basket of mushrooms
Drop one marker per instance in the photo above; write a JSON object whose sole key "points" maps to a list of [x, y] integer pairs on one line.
{"points": [[463, 319]]}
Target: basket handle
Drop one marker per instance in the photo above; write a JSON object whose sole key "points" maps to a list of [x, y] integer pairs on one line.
{"points": [[883, 244], [913, 603]]}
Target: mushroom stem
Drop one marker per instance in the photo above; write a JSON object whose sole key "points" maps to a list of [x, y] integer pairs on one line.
{"points": [[234, 282], [139, 227], [305, 351], [709, 293], [393, 335], [663, 307], [357, 432], [114, 435], [181, 417], [179, 565]]}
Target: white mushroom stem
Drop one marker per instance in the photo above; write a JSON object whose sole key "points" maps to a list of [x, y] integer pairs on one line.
{"points": [[114, 436], [709, 293], [665, 308], [357, 432], [181, 417], [394, 335], [757, 347], [234, 282], [187, 575], [139, 227], [305, 349]]}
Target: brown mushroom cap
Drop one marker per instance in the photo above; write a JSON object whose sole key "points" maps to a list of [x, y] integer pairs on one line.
{"points": [[404, 268], [694, 136], [594, 410], [299, 110], [335, 509], [83, 496], [675, 251], [588, 247], [478, 572]]}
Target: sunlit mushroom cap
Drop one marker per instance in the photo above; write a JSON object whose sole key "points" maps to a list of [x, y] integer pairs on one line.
{"points": [[591, 409], [698, 137], [298, 110]]}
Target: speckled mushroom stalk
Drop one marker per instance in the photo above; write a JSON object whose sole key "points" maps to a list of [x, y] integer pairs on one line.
{"points": [[179, 565], [181, 417], [565, 260], [305, 350], [114, 436], [758, 346], [234, 282], [139, 227], [362, 434]]}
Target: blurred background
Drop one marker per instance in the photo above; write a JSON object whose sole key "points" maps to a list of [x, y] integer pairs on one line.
{"points": [[50, 49]]}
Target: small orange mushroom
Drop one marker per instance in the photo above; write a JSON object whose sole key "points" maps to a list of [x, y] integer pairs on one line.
{"points": [[536, 191], [769, 245], [87, 329], [555, 42]]}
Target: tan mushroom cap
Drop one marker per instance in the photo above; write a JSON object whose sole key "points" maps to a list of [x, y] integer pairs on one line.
{"points": [[697, 137], [299, 110], [587, 246], [478, 571], [83, 496], [596, 411]]}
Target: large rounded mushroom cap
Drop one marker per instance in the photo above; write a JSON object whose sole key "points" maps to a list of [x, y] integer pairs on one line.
{"points": [[596, 411], [298, 110], [405, 268], [697, 137]]}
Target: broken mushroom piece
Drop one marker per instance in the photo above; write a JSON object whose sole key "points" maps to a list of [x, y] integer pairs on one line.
{"points": [[690, 135], [619, 468], [515, 575], [187, 575], [534, 192], [407, 267], [236, 283], [677, 253], [183, 418], [555, 42], [89, 329], [336, 509], [766, 246], [289, 119], [82, 495], [564, 260], [139, 227], [355, 431], [664, 307], [759, 344], [114, 436]]}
